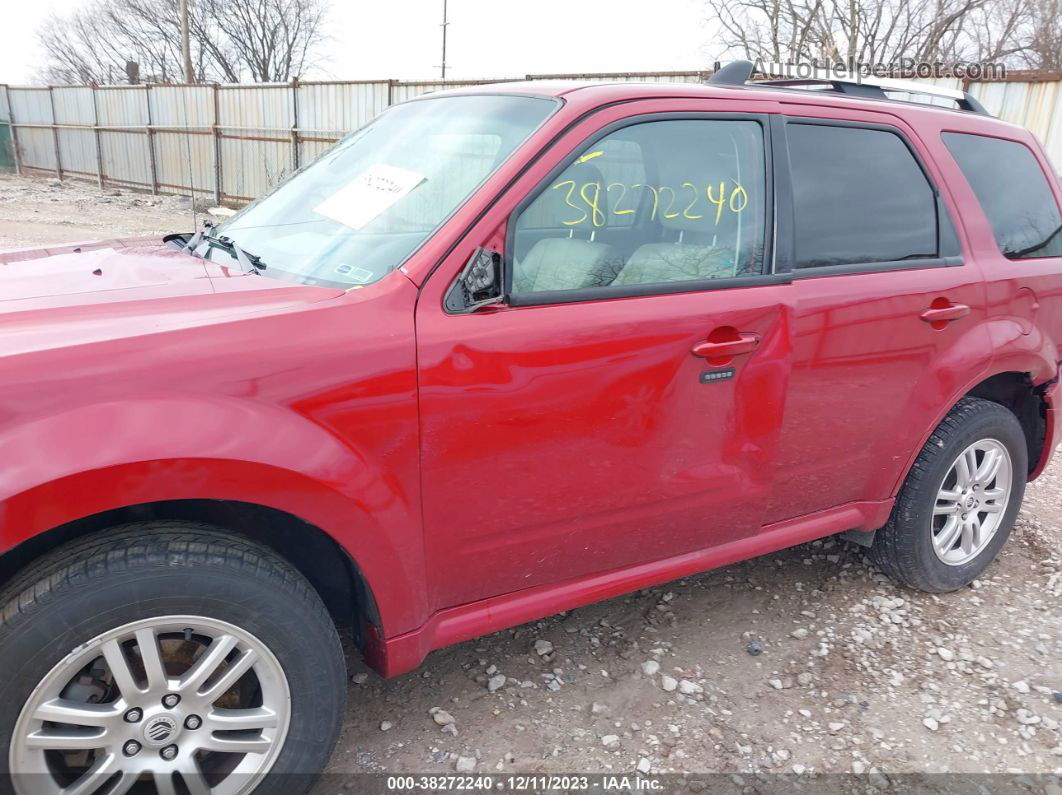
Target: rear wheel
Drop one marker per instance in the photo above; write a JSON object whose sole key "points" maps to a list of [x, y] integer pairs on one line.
{"points": [[170, 657], [958, 504]]}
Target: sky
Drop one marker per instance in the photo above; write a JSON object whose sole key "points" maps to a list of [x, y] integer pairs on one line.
{"points": [[374, 39]]}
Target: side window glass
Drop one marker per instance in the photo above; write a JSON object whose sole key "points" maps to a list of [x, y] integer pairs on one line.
{"points": [[859, 196], [1013, 192], [654, 203]]}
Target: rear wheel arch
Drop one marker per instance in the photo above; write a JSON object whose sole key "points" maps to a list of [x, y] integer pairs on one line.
{"points": [[1016, 392], [330, 569], [1013, 389]]}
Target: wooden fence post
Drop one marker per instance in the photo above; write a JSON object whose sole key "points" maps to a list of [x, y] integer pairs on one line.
{"points": [[217, 148], [153, 168], [96, 136], [14, 130], [294, 124], [55, 135]]}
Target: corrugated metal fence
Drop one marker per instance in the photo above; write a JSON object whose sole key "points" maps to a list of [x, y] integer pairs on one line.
{"points": [[235, 142]]}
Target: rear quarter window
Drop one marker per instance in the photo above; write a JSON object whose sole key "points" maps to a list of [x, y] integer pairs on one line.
{"points": [[1013, 192]]}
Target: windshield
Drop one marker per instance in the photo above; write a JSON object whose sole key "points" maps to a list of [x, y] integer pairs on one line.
{"points": [[359, 210]]}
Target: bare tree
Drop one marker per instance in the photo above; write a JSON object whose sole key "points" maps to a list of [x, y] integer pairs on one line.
{"points": [[1044, 49], [871, 31], [1022, 33], [273, 40], [230, 40], [90, 46], [999, 31]]}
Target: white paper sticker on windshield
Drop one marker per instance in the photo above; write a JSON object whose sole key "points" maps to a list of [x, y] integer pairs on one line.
{"points": [[368, 195], [355, 273]]}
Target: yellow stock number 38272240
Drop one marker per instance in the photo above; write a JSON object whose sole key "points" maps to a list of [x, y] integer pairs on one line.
{"points": [[689, 200]]}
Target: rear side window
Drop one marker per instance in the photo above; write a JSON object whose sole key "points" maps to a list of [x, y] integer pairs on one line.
{"points": [[859, 196], [1013, 192]]}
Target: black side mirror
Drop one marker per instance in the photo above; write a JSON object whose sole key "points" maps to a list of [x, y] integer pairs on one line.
{"points": [[479, 284]]}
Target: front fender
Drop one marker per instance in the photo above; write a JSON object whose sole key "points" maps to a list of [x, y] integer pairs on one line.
{"points": [[164, 447]]}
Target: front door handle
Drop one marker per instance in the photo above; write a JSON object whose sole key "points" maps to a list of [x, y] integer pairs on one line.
{"points": [[745, 343], [944, 314]]}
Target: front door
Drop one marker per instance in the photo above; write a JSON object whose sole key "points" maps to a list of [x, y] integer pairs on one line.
{"points": [[624, 405]]}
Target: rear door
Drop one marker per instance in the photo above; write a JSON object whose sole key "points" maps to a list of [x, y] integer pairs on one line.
{"points": [[884, 298], [623, 406]]}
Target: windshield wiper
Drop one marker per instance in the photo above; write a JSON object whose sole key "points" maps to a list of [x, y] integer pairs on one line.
{"points": [[250, 263]]}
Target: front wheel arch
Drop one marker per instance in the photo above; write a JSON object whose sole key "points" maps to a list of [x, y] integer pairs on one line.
{"points": [[181, 578], [333, 573]]}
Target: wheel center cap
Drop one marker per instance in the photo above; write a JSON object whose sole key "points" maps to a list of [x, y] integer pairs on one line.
{"points": [[160, 730], [970, 502]]}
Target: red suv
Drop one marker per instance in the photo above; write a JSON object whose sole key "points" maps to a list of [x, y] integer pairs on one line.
{"points": [[503, 352]]}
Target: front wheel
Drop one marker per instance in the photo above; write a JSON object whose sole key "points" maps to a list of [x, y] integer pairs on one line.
{"points": [[958, 504], [169, 656]]}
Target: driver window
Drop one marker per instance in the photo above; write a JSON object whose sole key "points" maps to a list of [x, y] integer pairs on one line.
{"points": [[654, 203]]}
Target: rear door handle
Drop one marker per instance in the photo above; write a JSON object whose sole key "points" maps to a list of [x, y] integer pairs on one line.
{"points": [[945, 314], [745, 343]]}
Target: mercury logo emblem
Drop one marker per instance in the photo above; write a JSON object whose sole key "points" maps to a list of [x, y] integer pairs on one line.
{"points": [[159, 730]]}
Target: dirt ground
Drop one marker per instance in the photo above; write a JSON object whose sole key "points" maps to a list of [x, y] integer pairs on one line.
{"points": [[45, 210], [806, 661]]}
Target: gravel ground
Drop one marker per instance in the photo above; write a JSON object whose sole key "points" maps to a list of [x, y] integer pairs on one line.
{"points": [[806, 661], [45, 210]]}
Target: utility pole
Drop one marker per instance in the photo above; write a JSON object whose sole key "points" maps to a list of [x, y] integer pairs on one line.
{"points": [[445, 24], [186, 47]]}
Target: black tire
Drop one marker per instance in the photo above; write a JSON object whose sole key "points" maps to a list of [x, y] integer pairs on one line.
{"points": [[903, 548], [152, 569]]}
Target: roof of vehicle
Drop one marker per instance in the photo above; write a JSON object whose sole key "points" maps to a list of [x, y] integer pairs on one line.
{"points": [[590, 94]]}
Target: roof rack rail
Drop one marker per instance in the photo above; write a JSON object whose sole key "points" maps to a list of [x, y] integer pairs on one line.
{"points": [[876, 88], [738, 73]]}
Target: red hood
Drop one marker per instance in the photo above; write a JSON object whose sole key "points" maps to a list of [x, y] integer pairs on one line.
{"points": [[119, 288], [88, 273]]}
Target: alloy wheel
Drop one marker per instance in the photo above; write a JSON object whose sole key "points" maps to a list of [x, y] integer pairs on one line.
{"points": [[187, 703], [971, 502]]}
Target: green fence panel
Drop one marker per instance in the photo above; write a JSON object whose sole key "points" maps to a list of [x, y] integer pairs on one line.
{"points": [[7, 157]]}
